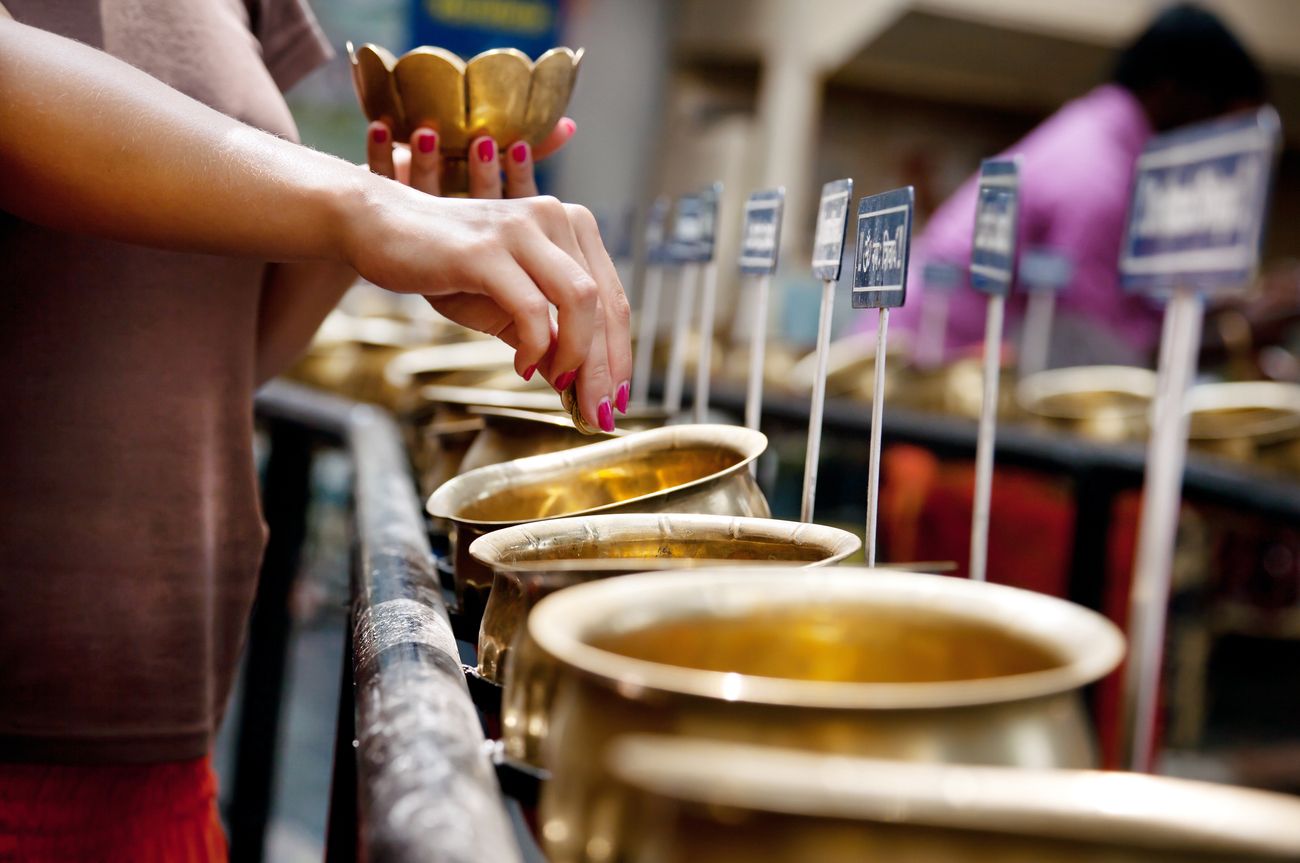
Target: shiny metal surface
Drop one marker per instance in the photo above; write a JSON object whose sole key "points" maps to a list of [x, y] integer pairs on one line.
{"points": [[850, 367], [1251, 421], [694, 800], [599, 546], [1107, 403], [501, 93], [688, 468], [533, 399], [509, 434], [845, 660]]}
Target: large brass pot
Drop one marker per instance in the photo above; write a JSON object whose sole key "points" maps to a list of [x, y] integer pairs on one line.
{"points": [[687, 468], [696, 800], [845, 660], [1108, 403], [598, 546], [1251, 421]]}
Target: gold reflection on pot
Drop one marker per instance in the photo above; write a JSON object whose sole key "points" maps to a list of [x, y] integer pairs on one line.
{"points": [[688, 468], [693, 800], [1254, 421], [1108, 403], [599, 546], [845, 660]]}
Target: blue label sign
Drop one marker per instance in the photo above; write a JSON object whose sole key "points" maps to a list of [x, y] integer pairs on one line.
{"points": [[1045, 270], [762, 233], [941, 276], [656, 232], [1197, 215], [884, 237], [695, 225], [832, 219], [993, 249]]}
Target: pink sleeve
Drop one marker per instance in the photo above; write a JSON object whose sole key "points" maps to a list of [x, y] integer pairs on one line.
{"points": [[293, 43]]}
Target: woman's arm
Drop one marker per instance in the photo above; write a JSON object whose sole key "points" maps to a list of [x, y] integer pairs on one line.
{"points": [[89, 144]]}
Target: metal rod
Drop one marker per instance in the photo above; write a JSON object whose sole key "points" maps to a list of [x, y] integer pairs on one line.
{"points": [[688, 277], [1036, 334], [757, 352], [979, 532], [647, 331], [932, 331], [1158, 525], [704, 369], [818, 403], [877, 422]]}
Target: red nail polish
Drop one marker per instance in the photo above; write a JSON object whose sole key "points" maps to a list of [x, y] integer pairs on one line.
{"points": [[379, 134], [487, 150], [620, 398], [519, 152], [427, 142], [605, 414], [564, 381], [569, 126], [528, 372]]}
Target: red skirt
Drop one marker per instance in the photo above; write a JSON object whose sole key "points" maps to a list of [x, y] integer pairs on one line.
{"points": [[138, 813]]}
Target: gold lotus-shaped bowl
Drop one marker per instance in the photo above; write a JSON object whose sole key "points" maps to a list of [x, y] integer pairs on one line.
{"points": [[500, 93], [840, 660], [682, 799], [534, 560]]}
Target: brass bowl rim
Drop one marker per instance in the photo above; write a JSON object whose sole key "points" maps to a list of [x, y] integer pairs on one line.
{"points": [[489, 548], [1245, 395], [560, 420], [536, 400], [1082, 805], [480, 354], [1034, 389], [1089, 645], [480, 482]]}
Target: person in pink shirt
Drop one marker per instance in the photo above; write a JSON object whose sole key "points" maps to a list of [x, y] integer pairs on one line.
{"points": [[1076, 170]]}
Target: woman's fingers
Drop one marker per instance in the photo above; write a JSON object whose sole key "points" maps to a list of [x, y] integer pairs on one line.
{"points": [[484, 169], [379, 150], [520, 179], [559, 136], [594, 380], [613, 301], [426, 162]]}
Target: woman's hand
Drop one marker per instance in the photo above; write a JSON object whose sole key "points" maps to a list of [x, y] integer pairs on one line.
{"points": [[500, 265]]}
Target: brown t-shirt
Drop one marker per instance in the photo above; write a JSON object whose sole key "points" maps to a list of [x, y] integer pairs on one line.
{"points": [[130, 534]]}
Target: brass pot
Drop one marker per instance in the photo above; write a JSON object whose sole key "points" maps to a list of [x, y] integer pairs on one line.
{"points": [[851, 367], [1252, 421], [686, 468], [1108, 403], [845, 660], [510, 434], [468, 363], [594, 547], [955, 389], [696, 800]]}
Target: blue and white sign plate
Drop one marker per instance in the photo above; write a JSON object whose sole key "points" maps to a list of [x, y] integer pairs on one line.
{"points": [[993, 249], [1045, 270], [884, 239], [656, 232], [1196, 219], [761, 239], [941, 276], [832, 219], [695, 226]]}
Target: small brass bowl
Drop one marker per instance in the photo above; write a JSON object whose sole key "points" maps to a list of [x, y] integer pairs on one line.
{"points": [[686, 468], [598, 546], [1108, 403], [844, 660], [1256, 422], [694, 800], [500, 93]]}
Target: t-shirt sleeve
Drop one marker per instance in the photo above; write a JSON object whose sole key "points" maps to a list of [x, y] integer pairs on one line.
{"points": [[293, 43]]}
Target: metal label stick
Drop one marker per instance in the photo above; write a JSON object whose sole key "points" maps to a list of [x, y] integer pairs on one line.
{"points": [[687, 280], [992, 268], [1043, 273], [759, 246], [880, 282], [828, 250], [710, 198], [656, 259], [1195, 224], [932, 332]]}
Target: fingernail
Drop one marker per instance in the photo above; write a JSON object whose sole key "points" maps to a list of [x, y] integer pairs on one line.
{"points": [[487, 150], [519, 152], [564, 381], [605, 414], [427, 142], [569, 126], [379, 134], [620, 397], [528, 372]]}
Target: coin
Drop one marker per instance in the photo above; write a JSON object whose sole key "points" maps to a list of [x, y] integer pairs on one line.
{"points": [[569, 399]]}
